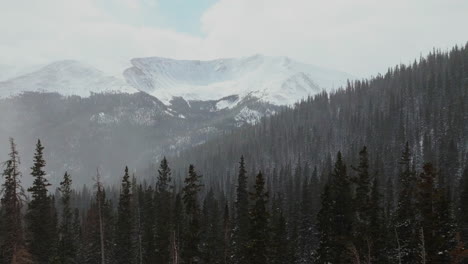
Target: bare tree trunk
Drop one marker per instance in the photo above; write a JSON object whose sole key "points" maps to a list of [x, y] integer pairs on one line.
{"points": [[175, 249], [423, 246], [369, 261], [399, 247]]}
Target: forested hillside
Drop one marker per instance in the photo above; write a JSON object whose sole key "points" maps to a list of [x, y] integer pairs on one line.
{"points": [[373, 173], [424, 104]]}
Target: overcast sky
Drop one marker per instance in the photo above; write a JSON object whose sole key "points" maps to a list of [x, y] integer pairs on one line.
{"points": [[361, 37]]}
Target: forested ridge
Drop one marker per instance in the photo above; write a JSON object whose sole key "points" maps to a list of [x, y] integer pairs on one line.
{"points": [[372, 173]]}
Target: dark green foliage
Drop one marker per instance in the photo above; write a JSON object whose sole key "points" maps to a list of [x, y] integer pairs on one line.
{"points": [[41, 213], [12, 246], [67, 243], [147, 222], [257, 246], [378, 234], [241, 216], [363, 239], [280, 246], [162, 202], [211, 231], [336, 217], [406, 232], [123, 238], [326, 248], [355, 220], [191, 248]]}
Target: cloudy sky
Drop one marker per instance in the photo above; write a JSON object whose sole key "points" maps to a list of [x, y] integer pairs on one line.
{"points": [[361, 37]]}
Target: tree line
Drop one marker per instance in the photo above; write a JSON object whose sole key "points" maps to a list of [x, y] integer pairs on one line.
{"points": [[338, 218]]}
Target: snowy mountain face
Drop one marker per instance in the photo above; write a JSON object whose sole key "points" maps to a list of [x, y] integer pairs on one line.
{"points": [[160, 107], [66, 78], [276, 80]]}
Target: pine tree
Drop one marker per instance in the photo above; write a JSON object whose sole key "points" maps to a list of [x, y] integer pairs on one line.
{"points": [[226, 235], [148, 238], [67, 243], [405, 222], [326, 250], [241, 216], [305, 240], [40, 213], [279, 248], [163, 200], [257, 247], [435, 221], [211, 238], [335, 219], [191, 251], [378, 237], [13, 249], [123, 241], [362, 207], [177, 230]]}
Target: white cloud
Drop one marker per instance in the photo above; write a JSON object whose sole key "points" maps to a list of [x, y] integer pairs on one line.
{"points": [[360, 36]]}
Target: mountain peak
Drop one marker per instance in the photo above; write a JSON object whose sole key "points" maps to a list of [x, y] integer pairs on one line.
{"points": [[267, 78], [66, 77]]}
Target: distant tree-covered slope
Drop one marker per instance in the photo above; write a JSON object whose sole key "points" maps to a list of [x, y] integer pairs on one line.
{"points": [[424, 103]]}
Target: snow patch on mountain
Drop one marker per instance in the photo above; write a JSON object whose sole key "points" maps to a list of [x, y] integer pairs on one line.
{"points": [[67, 78], [277, 80], [249, 116]]}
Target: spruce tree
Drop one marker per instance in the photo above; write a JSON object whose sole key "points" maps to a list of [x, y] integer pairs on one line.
{"points": [[377, 233], [362, 207], [279, 247], [335, 219], [257, 246], [13, 249], [67, 243], [163, 201], [148, 236], [326, 250], [241, 216], [191, 251], [405, 223], [40, 213], [226, 235], [211, 235], [123, 241]]}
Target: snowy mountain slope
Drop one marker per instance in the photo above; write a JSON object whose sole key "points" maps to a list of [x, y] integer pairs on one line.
{"points": [[277, 80], [66, 77]]}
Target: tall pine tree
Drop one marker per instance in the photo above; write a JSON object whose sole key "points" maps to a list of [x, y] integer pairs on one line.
{"points": [[67, 243], [163, 201], [241, 216], [257, 247], [40, 213], [191, 250], [13, 249], [123, 241]]}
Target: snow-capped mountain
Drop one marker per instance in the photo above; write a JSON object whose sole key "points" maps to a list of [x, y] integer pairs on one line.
{"points": [[160, 107], [276, 80], [66, 77]]}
